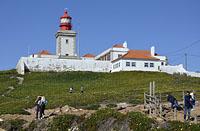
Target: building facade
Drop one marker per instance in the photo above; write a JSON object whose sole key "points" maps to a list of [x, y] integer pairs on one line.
{"points": [[117, 58]]}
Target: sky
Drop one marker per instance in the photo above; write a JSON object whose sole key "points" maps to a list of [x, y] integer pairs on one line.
{"points": [[172, 26]]}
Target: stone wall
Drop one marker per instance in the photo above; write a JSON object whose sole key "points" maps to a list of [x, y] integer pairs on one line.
{"points": [[60, 65]]}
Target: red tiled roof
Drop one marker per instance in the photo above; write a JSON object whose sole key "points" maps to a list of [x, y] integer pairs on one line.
{"points": [[44, 52], [118, 46], [137, 54], [89, 55]]}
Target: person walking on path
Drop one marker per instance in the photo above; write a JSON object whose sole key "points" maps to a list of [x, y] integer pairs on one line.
{"points": [[187, 105], [42, 104], [37, 104]]}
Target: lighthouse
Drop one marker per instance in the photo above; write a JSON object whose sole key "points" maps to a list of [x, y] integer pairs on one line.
{"points": [[66, 37]]}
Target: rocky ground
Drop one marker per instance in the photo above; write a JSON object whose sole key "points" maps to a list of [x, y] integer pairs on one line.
{"points": [[121, 107]]}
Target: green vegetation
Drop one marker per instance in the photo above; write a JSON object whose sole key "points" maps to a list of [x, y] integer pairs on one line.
{"points": [[179, 126], [140, 122], [109, 119], [63, 122], [100, 118], [12, 125], [98, 88]]}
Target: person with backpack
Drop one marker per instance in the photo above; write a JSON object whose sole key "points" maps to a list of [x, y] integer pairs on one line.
{"points": [[37, 104], [43, 103], [193, 100], [187, 105], [173, 101]]}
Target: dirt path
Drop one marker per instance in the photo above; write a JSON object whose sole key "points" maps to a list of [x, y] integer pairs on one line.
{"points": [[49, 114]]}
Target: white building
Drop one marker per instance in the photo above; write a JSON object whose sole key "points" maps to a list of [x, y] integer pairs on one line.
{"points": [[117, 58]]}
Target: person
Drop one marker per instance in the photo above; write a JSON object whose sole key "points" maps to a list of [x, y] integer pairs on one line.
{"points": [[81, 89], [42, 104], [70, 89], [37, 103], [187, 105], [172, 100], [192, 99]]}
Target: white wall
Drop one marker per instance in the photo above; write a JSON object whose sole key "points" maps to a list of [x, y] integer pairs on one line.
{"points": [[59, 65], [193, 74], [139, 65], [63, 47], [173, 69]]}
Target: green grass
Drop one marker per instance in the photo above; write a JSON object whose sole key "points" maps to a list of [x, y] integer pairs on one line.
{"points": [[98, 88]]}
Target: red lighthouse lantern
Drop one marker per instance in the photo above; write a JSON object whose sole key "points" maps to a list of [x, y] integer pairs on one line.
{"points": [[65, 22]]}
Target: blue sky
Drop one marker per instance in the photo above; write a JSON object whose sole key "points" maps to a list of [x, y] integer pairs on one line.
{"points": [[170, 25]]}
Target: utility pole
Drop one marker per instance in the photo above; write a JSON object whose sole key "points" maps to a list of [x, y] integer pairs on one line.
{"points": [[186, 61]]}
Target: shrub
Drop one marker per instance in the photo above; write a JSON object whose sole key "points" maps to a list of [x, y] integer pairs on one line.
{"points": [[180, 126], [63, 122], [91, 124], [140, 122], [12, 125], [111, 105]]}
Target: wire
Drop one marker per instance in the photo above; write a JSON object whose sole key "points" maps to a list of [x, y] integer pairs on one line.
{"points": [[184, 48], [194, 55], [176, 59]]}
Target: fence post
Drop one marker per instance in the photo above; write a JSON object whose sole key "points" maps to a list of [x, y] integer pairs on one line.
{"points": [[175, 115], [145, 100], [195, 119], [153, 84], [183, 98], [150, 93], [150, 89]]}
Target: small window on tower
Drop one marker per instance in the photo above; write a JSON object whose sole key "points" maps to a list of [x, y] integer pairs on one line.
{"points": [[67, 41]]}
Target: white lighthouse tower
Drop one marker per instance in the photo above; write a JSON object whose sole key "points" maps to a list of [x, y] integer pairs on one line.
{"points": [[66, 38]]}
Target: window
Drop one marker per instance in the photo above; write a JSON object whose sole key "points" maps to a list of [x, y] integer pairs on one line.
{"points": [[151, 64], [117, 65], [134, 64], [127, 63], [67, 41], [146, 64], [119, 55], [108, 57], [162, 63]]}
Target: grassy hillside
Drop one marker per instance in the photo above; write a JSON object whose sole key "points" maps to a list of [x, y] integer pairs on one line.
{"points": [[98, 88]]}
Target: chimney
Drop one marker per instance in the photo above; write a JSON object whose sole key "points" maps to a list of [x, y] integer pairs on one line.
{"points": [[125, 44], [152, 51]]}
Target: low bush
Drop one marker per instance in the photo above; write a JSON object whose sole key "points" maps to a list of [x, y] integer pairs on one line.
{"points": [[140, 122], [12, 125], [63, 122], [111, 105], [92, 123], [180, 126]]}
